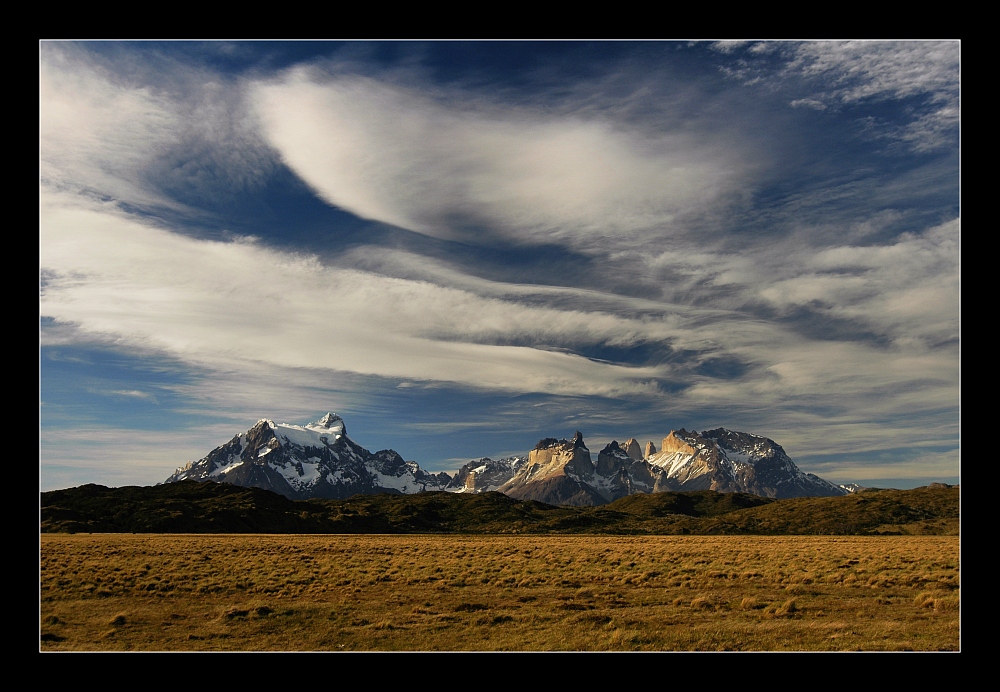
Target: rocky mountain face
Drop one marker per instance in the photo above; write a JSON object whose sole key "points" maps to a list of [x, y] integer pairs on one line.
{"points": [[557, 472], [318, 460], [485, 475], [632, 448], [563, 472], [314, 460], [729, 461]]}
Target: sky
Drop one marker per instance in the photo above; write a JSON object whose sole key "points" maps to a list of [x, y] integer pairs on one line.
{"points": [[464, 247]]}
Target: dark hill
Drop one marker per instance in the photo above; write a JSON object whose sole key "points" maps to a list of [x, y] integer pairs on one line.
{"points": [[185, 507], [205, 507]]}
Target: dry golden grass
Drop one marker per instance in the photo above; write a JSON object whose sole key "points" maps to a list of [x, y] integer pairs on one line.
{"points": [[555, 593]]}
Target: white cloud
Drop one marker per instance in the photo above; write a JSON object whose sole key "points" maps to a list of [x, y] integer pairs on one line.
{"points": [[235, 307], [215, 303], [132, 394], [859, 70], [449, 169], [729, 46], [136, 139], [815, 104], [905, 290], [835, 73], [97, 134], [902, 291]]}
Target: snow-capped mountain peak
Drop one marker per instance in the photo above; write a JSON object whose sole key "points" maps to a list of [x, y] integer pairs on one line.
{"points": [[305, 461], [331, 422], [326, 431]]}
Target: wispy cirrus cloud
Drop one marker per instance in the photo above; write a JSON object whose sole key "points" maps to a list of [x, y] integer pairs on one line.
{"points": [[833, 74], [907, 290], [132, 394], [860, 70], [211, 302], [219, 304], [149, 136], [98, 136]]}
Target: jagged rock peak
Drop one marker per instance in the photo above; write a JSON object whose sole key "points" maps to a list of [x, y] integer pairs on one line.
{"points": [[650, 449], [632, 448], [678, 441], [576, 442], [547, 442], [330, 420]]}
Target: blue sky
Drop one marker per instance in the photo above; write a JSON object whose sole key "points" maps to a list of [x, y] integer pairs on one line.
{"points": [[463, 247]]}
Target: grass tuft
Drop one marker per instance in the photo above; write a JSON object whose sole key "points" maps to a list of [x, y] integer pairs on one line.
{"points": [[702, 602]]}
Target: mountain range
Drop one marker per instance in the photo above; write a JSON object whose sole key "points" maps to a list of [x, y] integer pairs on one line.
{"points": [[319, 460], [316, 460]]}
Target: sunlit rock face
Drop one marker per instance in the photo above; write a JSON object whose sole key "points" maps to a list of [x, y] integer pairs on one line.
{"points": [[632, 448], [729, 461], [557, 472], [563, 472]]}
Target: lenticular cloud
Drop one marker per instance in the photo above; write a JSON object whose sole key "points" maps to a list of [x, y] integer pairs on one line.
{"points": [[442, 168]]}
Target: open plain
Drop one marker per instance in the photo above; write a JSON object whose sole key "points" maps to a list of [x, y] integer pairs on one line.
{"points": [[157, 592]]}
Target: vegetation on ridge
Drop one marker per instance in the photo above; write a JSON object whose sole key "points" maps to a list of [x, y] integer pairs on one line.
{"points": [[196, 507]]}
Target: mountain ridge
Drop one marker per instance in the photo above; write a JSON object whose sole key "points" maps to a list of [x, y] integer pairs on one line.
{"points": [[319, 460], [301, 462]]}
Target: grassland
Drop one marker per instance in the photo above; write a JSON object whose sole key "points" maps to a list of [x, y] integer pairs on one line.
{"points": [[498, 593]]}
